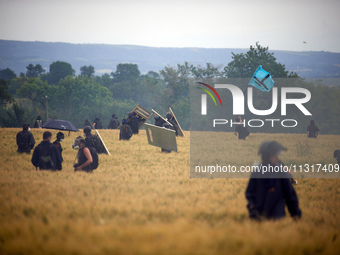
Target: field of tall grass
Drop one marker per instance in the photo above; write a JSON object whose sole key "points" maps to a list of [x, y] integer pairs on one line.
{"points": [[142, 201]]}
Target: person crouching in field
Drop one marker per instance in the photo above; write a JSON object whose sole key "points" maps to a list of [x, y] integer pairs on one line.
{"points": [[268, 192], [46, 155], [25, 140], [84, 156]]}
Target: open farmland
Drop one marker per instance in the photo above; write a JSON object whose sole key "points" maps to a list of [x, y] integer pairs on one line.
{"points": [[140, 201]]}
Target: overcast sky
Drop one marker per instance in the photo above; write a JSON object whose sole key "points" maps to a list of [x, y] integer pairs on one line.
{"points": [[281, 25]]}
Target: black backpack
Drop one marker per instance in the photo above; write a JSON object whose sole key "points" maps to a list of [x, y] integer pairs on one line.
{"points": [[23, 139], [95, 158], [96, 143], [127, 131], [45, 157]]}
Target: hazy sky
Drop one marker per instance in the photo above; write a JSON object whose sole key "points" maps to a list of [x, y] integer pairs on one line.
{"points": [[281, 25]]}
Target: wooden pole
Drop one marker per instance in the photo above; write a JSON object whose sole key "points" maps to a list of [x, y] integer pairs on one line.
{"points": [[46, 109]]}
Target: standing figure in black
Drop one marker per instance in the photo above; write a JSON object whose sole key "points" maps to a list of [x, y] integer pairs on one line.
{"points": [[171, 120], [133, 122], [114, 122], [97, 123], [312, 130], [57, 143], [125, 131], [240, 130], [25, 140], [268, 191], [158, 121], [46, 155], [38, 122]]}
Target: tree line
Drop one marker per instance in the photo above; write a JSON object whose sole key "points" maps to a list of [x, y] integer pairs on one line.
{"points": [[87, 95]]}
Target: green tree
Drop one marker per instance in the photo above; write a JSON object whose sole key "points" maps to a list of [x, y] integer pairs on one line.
{"points": [[7, 74], [34, 71], [36, 91], [104, 80], [58, 70], [15, 116], [126, 72], [244, 65], [210, 71], [5, 96], [177, 82], [79, 98], [87, 71], [16, 84]]}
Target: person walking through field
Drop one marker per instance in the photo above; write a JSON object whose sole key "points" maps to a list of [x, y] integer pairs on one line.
{"points": [[268, 191]]}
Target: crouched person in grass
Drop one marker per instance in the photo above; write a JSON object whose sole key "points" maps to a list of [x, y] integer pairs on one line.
{"points": [[87, 157], [46, 155], [268, 191]]}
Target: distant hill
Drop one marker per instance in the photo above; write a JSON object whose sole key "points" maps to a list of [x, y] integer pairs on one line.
{"points": [[17, 55]]}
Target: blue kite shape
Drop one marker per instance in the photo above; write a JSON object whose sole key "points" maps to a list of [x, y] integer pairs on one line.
{"points": [[262, 80]]}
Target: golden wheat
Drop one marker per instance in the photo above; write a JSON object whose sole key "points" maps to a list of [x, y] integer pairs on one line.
{"points": [[140, 201]]}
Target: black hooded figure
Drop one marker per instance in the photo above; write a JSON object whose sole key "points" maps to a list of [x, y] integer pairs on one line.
{"points": [[312, 130], [158, 121], [133, 122], [114, 122], [171, 120], [97, 123], [269, 191]]}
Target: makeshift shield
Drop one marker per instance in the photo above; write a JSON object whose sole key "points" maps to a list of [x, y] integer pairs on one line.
{"points": [[156, 113], [141, 114], [161, 137], [104, 148]]}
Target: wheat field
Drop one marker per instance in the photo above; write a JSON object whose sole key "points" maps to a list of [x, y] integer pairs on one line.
{"points": [[140, 201]]}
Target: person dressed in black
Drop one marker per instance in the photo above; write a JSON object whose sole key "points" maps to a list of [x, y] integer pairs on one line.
{"points": [[97, 123], [114, 122], [88, 136], [240, 130], [268, 192], [57, 143], [25, 140], [38, 122], [159, 121], [171, 120], [46, 155], [312, 130], [125, 131], [84, 156], [133, 122]]}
